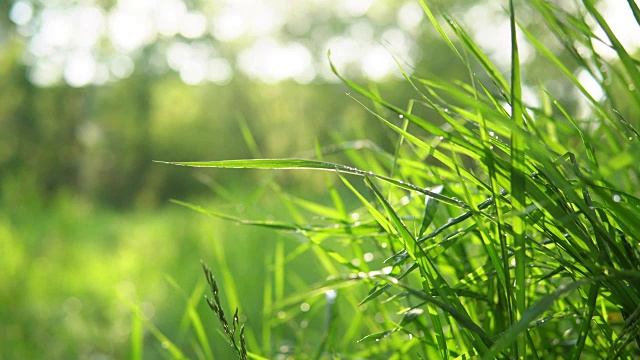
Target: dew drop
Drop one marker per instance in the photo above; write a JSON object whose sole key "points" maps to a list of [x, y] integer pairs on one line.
{"points": [[491, 133], [630, 138], [401, 116], [446, 110], [441, 137], [617, 198], [331, 295], [632, 87]]}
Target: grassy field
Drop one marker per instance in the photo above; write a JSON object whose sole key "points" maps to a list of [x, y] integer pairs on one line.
{"points": [[497, 226], [509, 232]]}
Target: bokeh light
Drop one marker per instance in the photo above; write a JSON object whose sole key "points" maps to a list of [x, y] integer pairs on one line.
{"points": [[269, 41]]}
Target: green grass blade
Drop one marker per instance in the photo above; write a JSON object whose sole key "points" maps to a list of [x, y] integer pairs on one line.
{"points": [[191, 316], [518, 191], [586, 321], [635, 10], [289, 164], [625, 58], [384, 223], [506, 339], [283, 226], [479, 55], [137, 336], [166, 344], [566, 71], [200, 332], [442, 157], [461, 318], [439, 28]]}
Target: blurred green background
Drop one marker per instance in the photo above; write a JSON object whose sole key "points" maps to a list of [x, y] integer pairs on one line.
{"points": [[91, 92]]}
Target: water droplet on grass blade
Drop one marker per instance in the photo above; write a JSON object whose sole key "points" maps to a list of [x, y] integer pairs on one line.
{"points": [[401, 116], [331, 295], [617, 198]]}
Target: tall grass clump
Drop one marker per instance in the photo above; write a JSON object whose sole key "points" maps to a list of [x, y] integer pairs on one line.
{"points": [[507, 230]]}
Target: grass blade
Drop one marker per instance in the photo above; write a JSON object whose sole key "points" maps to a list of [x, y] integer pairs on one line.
{"points": [[518, 191]]}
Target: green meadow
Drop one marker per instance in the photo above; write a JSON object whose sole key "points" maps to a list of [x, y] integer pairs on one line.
{"points": [[481, 203]]}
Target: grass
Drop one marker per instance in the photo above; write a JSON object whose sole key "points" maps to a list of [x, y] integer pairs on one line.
{"points": [[81, 280], [511, 230]]}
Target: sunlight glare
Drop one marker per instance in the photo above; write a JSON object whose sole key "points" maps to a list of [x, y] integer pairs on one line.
{"points": [[409, 16], [168, 16], [219, 71], [21, 12], [272, 62], [228, 26], [80, 69], [377, 63], [193, 25], [622, 23], [121, 66], [129, 31], [353, 8], [45, 73]]}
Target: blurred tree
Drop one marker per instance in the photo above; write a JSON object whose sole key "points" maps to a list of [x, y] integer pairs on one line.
{"points": [[93, 91]]}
